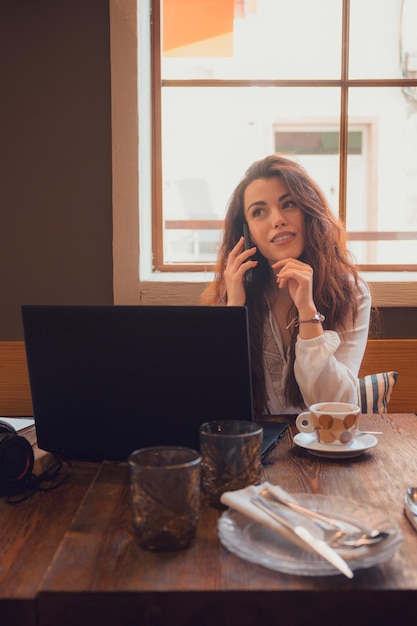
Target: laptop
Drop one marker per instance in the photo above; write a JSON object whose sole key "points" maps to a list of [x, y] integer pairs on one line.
{"points": [[108, 379]]}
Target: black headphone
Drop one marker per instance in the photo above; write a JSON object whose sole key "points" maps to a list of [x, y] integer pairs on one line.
{"points": [[16, 459]]}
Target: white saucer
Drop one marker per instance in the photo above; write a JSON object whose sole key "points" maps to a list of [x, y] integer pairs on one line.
{"points": [[354, 448]]}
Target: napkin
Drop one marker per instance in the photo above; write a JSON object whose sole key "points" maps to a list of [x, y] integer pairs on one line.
{"points": [[18, 423], [240, 500]]}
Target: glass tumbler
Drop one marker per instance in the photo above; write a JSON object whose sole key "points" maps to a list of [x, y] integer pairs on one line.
{"points": [[231, 457], [165, 496]]}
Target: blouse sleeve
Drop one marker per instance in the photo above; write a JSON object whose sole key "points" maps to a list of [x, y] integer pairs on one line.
{"points": [[326, 367]]}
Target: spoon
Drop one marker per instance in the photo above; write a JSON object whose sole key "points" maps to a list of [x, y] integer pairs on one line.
{"points": [[410, 506], [335, 538], [368, 432], [411, 499], [348, 534], [348, 437]]}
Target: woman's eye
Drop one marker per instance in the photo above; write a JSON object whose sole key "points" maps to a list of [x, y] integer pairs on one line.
{"points": [[256, 212], [289, 204]]}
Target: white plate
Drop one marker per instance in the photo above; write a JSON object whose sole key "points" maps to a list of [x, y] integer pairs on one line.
{"points": [[258, 544], [351, 449]]}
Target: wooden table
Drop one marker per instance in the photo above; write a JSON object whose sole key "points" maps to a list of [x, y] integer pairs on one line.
{"points": [[69, 556]]}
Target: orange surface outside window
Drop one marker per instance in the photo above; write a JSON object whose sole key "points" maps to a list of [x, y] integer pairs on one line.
{"points": [[197, 28]]}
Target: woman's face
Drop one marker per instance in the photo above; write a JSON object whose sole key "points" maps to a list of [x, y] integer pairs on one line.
{"points": [[276, 223]]}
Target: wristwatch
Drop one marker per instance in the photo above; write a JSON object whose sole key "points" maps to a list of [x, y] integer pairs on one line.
{"points": [[318, 318]]}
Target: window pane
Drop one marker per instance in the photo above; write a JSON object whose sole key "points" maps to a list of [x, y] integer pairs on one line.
{"points": [[211, 136], [374, 45], [251, 39], [382, 181]]}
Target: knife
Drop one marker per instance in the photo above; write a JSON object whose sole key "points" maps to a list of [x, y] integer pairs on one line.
{"points": [[318, 545]]}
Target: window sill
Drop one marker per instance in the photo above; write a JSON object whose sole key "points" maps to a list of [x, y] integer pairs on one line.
{"points": [[384, 294]]}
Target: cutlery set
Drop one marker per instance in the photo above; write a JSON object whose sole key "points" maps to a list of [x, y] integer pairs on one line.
{"points": [[319, 545], [333, 533], [339, 532]]}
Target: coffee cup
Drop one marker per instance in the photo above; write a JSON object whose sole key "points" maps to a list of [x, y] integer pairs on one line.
{"points": [[333, 423]]}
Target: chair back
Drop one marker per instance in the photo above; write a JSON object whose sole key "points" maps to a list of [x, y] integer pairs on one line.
{"points": [[399, 355]]}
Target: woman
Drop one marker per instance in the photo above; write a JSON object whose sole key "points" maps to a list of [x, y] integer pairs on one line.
{"points": [[308, 309]]}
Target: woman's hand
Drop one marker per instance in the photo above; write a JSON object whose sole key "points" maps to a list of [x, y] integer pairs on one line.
{"points": [[234, 274], [297, 277]]}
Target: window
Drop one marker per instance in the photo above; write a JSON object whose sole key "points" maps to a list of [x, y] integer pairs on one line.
{"points": [[227, 74], [232, 81]]}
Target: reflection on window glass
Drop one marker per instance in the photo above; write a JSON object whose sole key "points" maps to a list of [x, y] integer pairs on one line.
{"points": [[408, 45], [374, 39], [382, 190]]}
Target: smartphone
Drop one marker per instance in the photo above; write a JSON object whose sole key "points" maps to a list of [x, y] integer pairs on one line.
{"points": [[249, 273]]}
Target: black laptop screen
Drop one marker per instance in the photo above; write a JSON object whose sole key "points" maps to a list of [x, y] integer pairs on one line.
{"points": [[106, 380]]}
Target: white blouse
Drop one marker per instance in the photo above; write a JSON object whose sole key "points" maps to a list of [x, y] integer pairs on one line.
{"points": [[326, 367]]}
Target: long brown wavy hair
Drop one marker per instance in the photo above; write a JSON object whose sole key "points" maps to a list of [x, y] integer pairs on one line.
{"points": [[325, 250]]}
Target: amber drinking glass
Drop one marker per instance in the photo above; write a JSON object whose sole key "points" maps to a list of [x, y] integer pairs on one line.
{"points": [[231, 457], [165, 496]]}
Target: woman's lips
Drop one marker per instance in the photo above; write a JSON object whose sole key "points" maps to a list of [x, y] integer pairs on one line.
{"points": [[282, 238]]}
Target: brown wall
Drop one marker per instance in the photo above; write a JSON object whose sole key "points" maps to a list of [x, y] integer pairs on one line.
{"points": [[55, 156]]}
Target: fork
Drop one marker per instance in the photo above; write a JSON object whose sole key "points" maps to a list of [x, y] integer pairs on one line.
{"points": [[337, 532], [335, 538]]}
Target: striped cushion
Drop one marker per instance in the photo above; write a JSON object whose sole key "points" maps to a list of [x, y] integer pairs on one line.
{"points": [[375, 391]]}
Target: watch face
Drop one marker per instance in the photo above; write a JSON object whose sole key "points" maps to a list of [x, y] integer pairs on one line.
{"points": [[318, 318]]}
